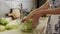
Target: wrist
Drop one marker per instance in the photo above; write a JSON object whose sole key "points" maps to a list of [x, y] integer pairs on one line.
{"points": [[45, 12]]}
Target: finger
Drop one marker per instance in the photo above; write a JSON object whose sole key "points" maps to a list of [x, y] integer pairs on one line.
{"points": [[34, 22], [23, 19]]}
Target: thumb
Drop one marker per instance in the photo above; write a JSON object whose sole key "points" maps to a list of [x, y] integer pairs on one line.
{"points": [[34, 22], [24, 19]]}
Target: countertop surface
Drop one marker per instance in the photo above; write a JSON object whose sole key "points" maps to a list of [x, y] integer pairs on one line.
{"points": [[38, 30]]}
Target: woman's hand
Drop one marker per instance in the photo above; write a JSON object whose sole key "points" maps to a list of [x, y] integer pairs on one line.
{"points": [[34, 20], [35, 17]]}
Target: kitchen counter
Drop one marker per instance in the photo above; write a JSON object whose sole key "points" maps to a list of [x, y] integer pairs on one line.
{"points": [[38, 30]]}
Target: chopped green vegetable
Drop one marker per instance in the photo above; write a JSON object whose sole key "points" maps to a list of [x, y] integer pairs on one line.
{"points": [[26, 27], [3, 21], [8, 27], [6, 24], [12, 26], [2, 28]]}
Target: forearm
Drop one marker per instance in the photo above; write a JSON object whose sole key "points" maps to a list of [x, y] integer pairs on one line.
{"points": [[48, 11], [44, 6], [53, 11]]}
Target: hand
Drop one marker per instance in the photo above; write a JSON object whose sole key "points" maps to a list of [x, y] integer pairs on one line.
{"points": [[35, 18], [30, 15], [34, 21]]}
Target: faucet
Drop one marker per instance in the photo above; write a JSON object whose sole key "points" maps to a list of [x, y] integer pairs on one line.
{"points": [[21, 13]]}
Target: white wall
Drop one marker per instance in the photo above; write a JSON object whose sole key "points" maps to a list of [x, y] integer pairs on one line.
{"points": [[5, 5], [12, 4], [27, 4], [15, 3], [4, 8]]}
